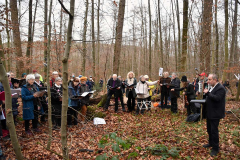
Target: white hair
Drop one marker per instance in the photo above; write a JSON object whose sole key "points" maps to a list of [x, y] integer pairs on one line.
{"points": [[58, 79], [37, 75], [30, 76], [115, 75], [55, 72]]}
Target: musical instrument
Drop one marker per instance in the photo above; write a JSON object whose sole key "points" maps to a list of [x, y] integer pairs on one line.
{"points": [[185, 98]]}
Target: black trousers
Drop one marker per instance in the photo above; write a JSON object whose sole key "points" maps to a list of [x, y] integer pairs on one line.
{"points": [[34, 124], [174, 107], [143, 105], [131, 102], [149, 104], [212, 129], [164, 95], [57, 111], [191, 108], [72, 116], [121, 99], [109, 96]]}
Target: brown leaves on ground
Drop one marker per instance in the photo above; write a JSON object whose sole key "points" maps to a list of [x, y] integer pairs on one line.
{"points": [[154, 127]]}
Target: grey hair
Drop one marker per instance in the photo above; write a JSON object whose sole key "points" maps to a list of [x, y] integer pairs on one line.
{"points": [[114, 75], [214, 76], [55, 72], [174, 73], [58, 79], [37, 75], [30, 76]]}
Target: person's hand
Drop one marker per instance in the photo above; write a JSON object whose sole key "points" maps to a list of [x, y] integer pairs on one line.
{"points": [[172, 89], [205, 90], [39, 108], [183, 93], [47, 99], [161, 85], [197, 93], [35, 95], [148, 88], [118, 88], [60, 99]]}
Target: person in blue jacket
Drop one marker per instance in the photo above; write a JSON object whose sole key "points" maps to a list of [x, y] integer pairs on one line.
{"points": [[74, 103], [29, 95]]}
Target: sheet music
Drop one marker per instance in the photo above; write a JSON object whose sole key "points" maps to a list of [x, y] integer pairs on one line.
{"points": [[85, 94], [2, 117], [160, 72]]}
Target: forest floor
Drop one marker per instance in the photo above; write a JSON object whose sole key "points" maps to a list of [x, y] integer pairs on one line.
{"points": [[158, 134]]}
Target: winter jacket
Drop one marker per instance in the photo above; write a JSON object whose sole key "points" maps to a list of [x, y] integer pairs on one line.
{"points": [[164, 87], [151, 87], [56, 93], [28, 105], [142, 87], [71, 93], [84, 88], [134, 85], [176, 83], [189, 91]]}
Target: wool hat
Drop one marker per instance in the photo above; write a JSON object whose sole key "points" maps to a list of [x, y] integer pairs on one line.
{"points": [[55, 72], [80, 76], [13, 80], [146, 76], [203, 74], [184, 79], [83, 79], [24, 74]]}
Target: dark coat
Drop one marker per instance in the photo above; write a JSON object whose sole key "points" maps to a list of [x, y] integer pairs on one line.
{"points": [[56, 94], [39, 86], [189, 91], [216, 102], [162, 81], [133, 90], [28, 105], [15, 106], [117, 84], [84, 88], [176, 83]]}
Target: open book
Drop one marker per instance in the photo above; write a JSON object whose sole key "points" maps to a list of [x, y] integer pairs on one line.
{"points": [[130, 85], [137, 92], [15, 93], [84, 94]]}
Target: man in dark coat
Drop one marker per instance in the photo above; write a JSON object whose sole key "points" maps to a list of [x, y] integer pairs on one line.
{"points": [[164, 81], [174, 95], [215, 103], [114, 85]]}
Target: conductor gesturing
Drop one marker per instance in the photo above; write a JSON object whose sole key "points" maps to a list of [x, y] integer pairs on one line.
{"points": [[215, 111]]}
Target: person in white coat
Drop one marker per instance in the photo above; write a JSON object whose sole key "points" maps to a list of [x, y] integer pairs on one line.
{"points": [[142, 93]]}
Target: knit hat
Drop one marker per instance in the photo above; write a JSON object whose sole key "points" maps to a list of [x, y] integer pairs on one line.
{"points": [[83, 79], [24, 74], [146, 76], [184, 79], [80, 76]]}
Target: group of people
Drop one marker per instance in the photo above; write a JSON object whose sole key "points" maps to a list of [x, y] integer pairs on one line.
{"points": [[33, 99], [208, 88]]}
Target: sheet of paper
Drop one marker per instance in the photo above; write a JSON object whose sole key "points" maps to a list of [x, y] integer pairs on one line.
{"points": [[97, 121], [2, 117], [160, 72], [85, 94]]}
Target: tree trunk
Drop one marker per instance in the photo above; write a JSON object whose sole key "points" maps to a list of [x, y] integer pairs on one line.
{"points": [[16, 37], [179, 35], [9, 115], [93, 41], [118, 39], [29, 36], [8, 38], [65, 81], [33, 28], [150, 39], [84, 40], [234, 34], [45, 37], [217, 39], [174, 37], [2, 52], [160, 30], [238, 91], [225, 41], [98, 38], [184, 36], [206, 36], [48, 79]]}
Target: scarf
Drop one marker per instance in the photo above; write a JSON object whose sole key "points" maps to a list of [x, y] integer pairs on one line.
{"points": [[58, 86], [130, 81]]}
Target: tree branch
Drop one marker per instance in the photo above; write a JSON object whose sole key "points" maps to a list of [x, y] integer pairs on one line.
{"points": [[65, 9]]}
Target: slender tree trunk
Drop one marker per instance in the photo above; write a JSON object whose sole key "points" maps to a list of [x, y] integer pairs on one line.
{"points": [[184, 36], [234, 36], [84, 39], [179, 35], [65, 81], [175, 45], [2, 52], [118, 39], [225, 41], [29, 35], [9, 115], [150, 39], [238, 91], [160, 30], [16, 37], [98, 38], [45, 37], [33, 28], [217, 39], [48, 79], [93, 41], [8, 38]]}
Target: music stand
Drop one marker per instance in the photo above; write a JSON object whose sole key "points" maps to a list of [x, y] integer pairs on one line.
{"points": [[201, 101]]}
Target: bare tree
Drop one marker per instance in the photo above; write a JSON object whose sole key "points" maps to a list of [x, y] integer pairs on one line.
{"points": [[65, 79], [16, 37], [217, 39], [45, 37], [93, 41], [29, 34], [2, 51], [8, 37], [150, 39], [118, 39], [225, 41]]}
